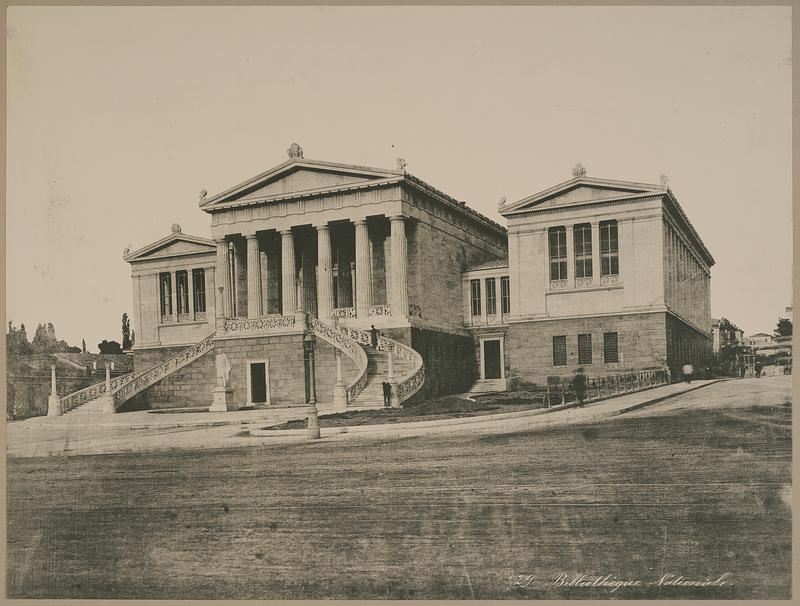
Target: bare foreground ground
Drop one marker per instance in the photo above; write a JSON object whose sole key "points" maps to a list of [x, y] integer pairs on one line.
{"points": [[697, 486]]}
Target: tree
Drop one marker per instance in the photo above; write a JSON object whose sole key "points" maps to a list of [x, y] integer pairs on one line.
{"points": [[109, 347], [784, 328], [40, 342], [83, 345], [126, 332], [133, 338]]}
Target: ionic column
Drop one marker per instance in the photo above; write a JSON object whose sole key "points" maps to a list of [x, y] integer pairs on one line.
{"points": [[174, 278], [253, 277], [324, 274], [363, 270], [289, 303], [232, 279], [399, 264], [221, 280], [596, 252]]}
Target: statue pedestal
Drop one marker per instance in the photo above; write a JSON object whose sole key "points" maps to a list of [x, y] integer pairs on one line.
{"points": [[339, 396], [394, 399], [107, 404], [223, 400], [54, 406]]}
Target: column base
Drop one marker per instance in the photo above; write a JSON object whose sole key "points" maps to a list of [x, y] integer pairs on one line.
{"points": [[223, 400], [339, 396], [54, 406]]}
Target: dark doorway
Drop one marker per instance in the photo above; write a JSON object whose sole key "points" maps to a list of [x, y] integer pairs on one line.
{"points": [[491, 360], [258, 383]]}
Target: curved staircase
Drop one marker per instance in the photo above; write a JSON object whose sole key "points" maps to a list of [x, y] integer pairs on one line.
{"points": [[365, 390], [377, 373]]}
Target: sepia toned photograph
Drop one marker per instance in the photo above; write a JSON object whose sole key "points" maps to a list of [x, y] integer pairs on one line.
{"points": [[399, 302]]}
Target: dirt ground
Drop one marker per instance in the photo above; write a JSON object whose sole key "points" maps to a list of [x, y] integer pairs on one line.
{"points": [[682, 489]]}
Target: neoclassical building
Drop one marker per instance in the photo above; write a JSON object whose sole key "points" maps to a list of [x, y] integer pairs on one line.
{"points": [[278, 306]]}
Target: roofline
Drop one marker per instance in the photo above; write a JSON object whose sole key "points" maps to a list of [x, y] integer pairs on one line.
{"points": [[397, 177], [131, 256], [576, 181], [369, 170]]}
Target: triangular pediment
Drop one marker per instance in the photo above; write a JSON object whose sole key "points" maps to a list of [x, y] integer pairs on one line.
{"points": [[174, 245], [299, 176], [580, 190]]}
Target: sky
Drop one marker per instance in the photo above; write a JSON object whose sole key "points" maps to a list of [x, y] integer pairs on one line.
{"points": [[119, 116]]}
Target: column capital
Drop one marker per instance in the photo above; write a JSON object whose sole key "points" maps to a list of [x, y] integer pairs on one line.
{"points": [[395, 218], [250, 236], [362, 221], [285, 232], [220, 240], [322, 226]]}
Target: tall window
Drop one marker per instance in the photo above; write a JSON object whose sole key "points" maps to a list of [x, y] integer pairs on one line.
{"points": [[475, 296], [491, 296], [165, 283], [583, 250], [199, 285], [560, 350], [182, 288], [585, 349], [505, 295], [610, 347], [557, 237], [609, 249]]}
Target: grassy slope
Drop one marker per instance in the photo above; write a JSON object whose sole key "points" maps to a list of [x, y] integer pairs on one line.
{"points": [[696, 493]]}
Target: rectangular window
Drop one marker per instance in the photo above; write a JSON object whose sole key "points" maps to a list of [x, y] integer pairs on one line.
{"points": [[475, 297], [610, 347], [585, 349], [582, 235], [491, 296], [505, 295], [609, 249], [557, 238], [560, 350], [199, 285], [165, 288], [182, 286]]}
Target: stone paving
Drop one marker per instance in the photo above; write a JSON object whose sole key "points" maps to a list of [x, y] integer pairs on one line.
{"points": [[145, 431]]}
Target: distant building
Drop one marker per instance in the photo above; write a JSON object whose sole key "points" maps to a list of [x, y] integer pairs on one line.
{"points": [[725, 334]]}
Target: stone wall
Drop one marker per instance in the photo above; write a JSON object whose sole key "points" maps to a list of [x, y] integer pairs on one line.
{"points": [[286, 366], [449, 362], [642, 343], [188, 387]]}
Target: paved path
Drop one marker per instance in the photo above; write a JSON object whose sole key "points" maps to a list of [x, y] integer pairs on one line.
{"points": [[145, 431]]}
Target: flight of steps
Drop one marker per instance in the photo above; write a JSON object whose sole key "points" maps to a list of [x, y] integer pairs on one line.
{"points": [[377, 369], [94, 407]]}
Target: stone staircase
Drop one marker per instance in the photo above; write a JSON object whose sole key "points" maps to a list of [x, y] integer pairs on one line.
{"points": [[101, 398], [377, 373]]}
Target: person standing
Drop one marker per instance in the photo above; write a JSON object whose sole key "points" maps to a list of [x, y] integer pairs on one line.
{"points": [[373, 332], [688, 371], [387, 394]]}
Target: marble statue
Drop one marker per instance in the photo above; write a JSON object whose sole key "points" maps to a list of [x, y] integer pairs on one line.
{"points": [[223, 370]]}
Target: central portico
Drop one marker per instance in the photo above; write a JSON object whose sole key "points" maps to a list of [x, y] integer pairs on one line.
{"points": [[332, 240]]}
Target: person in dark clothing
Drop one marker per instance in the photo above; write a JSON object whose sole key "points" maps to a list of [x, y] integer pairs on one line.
{"points": [[387, 394], [373, 332]]}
